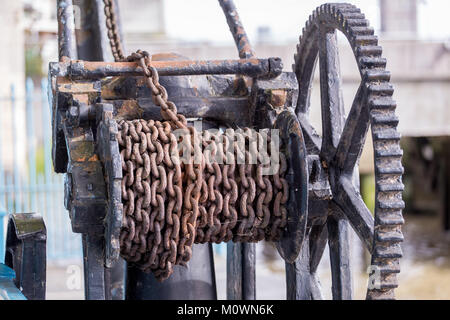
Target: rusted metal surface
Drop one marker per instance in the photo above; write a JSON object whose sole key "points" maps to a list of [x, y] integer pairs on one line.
{"points": [[66, 30], [237, 29], [64, 95], [264, 68], [271, 97]]}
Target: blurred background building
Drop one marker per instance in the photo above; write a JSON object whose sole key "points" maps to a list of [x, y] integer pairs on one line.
{"points": [[414, 34]]}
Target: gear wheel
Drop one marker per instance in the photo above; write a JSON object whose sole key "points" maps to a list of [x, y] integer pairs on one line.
{"points": [[342, 142]]}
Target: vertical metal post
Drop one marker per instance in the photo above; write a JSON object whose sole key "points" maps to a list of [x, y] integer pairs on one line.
{"points": [[91, 44], [96, 286], [234, 271], [66, 30], [241, 278], [298, 275]]}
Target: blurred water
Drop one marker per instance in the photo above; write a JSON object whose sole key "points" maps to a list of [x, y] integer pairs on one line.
{"points": [[426, 263]]}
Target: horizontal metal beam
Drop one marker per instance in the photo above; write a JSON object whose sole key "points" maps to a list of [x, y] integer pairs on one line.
{"points": [[227, 111], [256, 68]]}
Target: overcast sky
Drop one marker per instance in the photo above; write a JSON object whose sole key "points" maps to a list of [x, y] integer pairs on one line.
{"points": [[203, 19]]}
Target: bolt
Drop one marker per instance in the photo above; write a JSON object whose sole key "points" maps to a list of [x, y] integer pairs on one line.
{"points": [[73, 115], [278, 98]]}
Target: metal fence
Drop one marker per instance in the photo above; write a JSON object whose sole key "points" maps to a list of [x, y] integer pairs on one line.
{"points": [[33, 187]]}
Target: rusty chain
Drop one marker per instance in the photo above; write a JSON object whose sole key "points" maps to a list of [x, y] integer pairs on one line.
{"points": [[168, 204], [163, 214], [113, 30]]}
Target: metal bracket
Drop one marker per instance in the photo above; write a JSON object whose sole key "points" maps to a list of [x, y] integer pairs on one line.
{"points": [[26, 253], [295, 150], [108, 150]]}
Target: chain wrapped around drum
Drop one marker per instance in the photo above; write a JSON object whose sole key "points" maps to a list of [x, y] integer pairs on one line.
{"points": [[182, 187]]}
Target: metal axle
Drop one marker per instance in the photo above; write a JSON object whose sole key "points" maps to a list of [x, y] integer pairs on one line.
{"points": [[256, 68]]}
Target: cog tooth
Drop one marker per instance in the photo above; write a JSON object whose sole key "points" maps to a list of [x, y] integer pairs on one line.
{"points": [[369, 51], [383, 153], [392, 204], [390, 220], [366, 40], [363, 31], [372, 62], [383, 88], [389, 282], [382, 103], [373, 294], [352, 15], [390, 267], [390, 187], [389, 236], [387, 134], [344, 6], [388, 252], [384, 119], [382, 169], [377, 75], [357, 23]]}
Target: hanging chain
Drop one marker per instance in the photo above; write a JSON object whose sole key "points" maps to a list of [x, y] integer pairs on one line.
{"points": [[113, 30]]}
